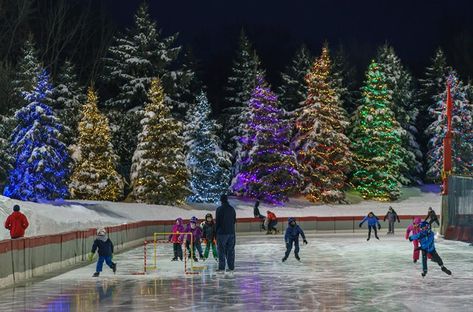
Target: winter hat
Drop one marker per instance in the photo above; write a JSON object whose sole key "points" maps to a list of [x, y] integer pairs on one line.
{"points": [[194, 220], [179, 220], [16, 208], [209, 215], [101, 232], [417, 220], [291, 219], [424, 224]]}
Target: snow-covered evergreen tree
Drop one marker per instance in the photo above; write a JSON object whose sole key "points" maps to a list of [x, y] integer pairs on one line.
{"points": [[208, 164], [293, 90], [404, 105], [377, 141], [158, 173], [462, 124], [322, 147], [343, 80], [94, 176], [67, 100], [240, 84], [41, 164], [5, 155]]}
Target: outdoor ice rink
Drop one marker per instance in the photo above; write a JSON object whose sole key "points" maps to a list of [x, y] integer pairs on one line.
{"points": [[338, 272]]}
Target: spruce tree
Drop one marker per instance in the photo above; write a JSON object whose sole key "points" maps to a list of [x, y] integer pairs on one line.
{"points": [[5, 155], [158, 173], [323, 149], [268, 165], [208, 165], [462, 124], [28, 69], [404, 105], [377, 141], [41, 159], [95, 176], [343, 77]]}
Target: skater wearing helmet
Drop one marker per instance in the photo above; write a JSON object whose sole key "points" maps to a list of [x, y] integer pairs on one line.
{"points": [[210, 235], [175, 239], [372, 222], [392, 216], [196, 231], [105, 250], [426, 238], [292, 238], [413, 229], [432, 217]]}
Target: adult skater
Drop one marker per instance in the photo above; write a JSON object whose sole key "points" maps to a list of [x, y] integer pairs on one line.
{"points": [[272, 220], [426, 238], [16, 223], [372, 222], [432, 217], [413, 229], [105, 250], [258, 215], [225, 220], [291, 237], [391, 215]]}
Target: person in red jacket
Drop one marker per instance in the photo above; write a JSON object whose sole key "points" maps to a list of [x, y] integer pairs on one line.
{"points": [[272, 221], [17, 223]]}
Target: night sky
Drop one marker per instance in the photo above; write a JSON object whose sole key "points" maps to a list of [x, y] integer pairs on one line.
{"points": [[277, 28]]}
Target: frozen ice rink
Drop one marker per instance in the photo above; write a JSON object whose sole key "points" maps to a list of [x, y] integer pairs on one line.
{"points": [[338, 272]]}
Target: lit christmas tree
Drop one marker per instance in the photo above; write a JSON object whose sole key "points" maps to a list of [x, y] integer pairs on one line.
{"points": [[323, 149], [377, 141], [268, 164], [209, 166], [95, 176], [40, 168], [158, 173], [462, 124]]}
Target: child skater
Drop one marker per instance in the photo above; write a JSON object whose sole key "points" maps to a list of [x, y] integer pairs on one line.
{"points": [[391, 215], [196, 236], [426, 238], [413, 229], [175, 239], [372, 222], [292, 237], [210, 235], [105, 250]]}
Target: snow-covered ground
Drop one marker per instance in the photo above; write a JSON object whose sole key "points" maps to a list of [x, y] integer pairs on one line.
{"points": [[48, 218]]}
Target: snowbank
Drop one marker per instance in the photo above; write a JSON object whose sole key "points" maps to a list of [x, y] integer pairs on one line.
{"points": [[48, 218]]}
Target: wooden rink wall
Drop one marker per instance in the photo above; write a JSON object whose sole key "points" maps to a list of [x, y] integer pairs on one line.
{"points": [[31, 257]]}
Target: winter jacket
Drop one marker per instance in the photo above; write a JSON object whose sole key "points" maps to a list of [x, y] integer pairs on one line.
{"points": [[208, 231], [225, 219], [432, 216], [104, 245], [271, 216], [413, 228], [426, 239], [372, 221], [17, 223], [196, 233], [391, 216], [176, 230], [292, 233]]}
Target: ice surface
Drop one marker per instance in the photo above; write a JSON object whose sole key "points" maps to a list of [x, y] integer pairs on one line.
{"points": [[341, 272]]}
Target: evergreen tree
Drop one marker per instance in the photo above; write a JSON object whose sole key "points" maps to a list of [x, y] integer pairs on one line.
{"points": [[41, 159], [462, 124], [66, 101], [158, 173], [5, 155], [343, 79], [209, 166], [323, 149], [94, 176], [268, 165], [241, 83], [404, 106], [377, 141], [293, 90]]}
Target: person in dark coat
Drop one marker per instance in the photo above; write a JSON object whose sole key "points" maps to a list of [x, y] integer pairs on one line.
{"points": [[16, 223], [225, 228], [209, 235], [292, 238], [392, 216], [432, 217], [105, 250], [258, 215], [372, 222]]}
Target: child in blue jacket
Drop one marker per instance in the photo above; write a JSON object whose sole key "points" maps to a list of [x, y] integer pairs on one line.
{"points": [[372, 222], [426, 238], [105, 250], [292, 237]]}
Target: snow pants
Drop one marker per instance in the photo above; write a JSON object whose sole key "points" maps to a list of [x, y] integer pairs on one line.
{"points": [[415, 255], [435, 258], [289, 244], [177, 250], [272, 225], [375, 231], [226, 251], [108, 261], [210, 244]]}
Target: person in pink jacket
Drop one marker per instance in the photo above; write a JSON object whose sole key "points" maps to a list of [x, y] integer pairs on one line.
{"points": [[413, 229]]}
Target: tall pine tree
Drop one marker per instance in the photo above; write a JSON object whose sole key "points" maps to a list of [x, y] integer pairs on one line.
{"points": [[28, 69], [95, 176], [377, 141], [323, 149], [158, 173], [343, 77], [5, 155], [269, 165], [41, 164], [208, 165]]}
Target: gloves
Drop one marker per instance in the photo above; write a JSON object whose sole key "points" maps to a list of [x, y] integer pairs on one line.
{"points": [[305, 242], [379, 226], [359, 225], [91, 256], [410, 239]]}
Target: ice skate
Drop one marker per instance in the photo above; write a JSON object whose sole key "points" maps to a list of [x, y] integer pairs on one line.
{"points": [[377, 237], [424, 273], [446, 270], [368, 239], [96, 274], [284, 259], [174, 259], [297, 257], [114, 267]]}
